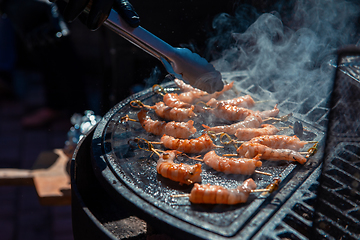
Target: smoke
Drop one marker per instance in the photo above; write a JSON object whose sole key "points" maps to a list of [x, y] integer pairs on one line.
{"points": [[154, 77], [291, 47]]}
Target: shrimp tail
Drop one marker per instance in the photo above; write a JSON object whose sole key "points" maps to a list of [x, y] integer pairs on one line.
{"points": [[204, 126]]}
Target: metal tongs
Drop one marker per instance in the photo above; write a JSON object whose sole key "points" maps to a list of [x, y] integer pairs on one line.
{"points": [[180, 62]]}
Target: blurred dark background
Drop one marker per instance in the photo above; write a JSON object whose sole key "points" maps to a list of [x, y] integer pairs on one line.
{"points": [[43, 82]]}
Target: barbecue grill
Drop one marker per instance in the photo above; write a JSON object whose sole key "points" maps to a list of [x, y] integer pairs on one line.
{"points": [[113, 179]]}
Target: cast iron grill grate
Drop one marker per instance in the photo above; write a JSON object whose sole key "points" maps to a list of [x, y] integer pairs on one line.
{"points": [[337, 210], [326, 206]]}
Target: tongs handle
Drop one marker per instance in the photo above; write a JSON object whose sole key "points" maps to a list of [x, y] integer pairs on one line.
{"points": [[138, 36], [178, 61]]}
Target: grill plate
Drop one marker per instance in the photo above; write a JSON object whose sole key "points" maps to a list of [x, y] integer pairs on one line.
{"points": [[131, 172]]}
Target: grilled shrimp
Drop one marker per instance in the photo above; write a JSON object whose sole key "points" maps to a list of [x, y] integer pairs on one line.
{"points": [[215, 95], [190, 97], [173, 100], [250, 150], [197, 145], [232, 165], [198, 94], [251, 121], [269, 113], [176, 114], [175, 129], [230, 113], [243, 101], [186, 87], [280, 141], [183, 173], [245, 134], [212, 194]]}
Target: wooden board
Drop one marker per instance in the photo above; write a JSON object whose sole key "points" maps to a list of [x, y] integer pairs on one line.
{"points": [[49, 176]]}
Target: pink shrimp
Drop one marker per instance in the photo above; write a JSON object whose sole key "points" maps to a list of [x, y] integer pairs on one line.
{"points": [[250, 150], [215, 95], [197, 94], [190, 97], [176, 114], [251, 121], [280, 141], [245, 134], [183, 173], [243, 101], [196, 145], [212, 194], [173, 100], [175, 129], [230, 113], [232, 165], [186, 87], [269, 113]]}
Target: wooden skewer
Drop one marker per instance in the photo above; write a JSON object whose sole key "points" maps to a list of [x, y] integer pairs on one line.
{"points": [[180, 195], [280, 119], [159, 89], [126, 118], [311, 151], [138, 104], [264, 173], [216, 146], [261, 190]]}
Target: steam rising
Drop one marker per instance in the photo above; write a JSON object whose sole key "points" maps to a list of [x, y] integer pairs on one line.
{"points": [[292, 50]]}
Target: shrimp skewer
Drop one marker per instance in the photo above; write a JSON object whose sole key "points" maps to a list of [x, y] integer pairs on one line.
{"points": [[191, 97], [250, 150], [182, 173], [186, 87], [197, 145], [169, 113], [175, 129], [197, 94], [166, 112], [173, 100], [247, 186], [243, 101], [245, 134], [251, 121], [232, 165], [230, 113], [269, 113], [280, 141], [234, 113], [212, 194]]}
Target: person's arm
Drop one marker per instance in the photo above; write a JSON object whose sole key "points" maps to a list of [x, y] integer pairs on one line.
{"points": [[99, 11]]}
